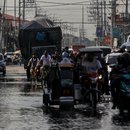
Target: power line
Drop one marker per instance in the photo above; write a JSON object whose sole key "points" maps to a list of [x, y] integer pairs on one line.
{"points": [[8, 6], [63, 3], [75, 22]]}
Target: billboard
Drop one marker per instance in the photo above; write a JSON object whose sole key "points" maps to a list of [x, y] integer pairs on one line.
{"points": [[107, 40], [115, 32]]}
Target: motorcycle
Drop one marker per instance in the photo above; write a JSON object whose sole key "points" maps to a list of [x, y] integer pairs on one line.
{"points": [[91, 88], [66, 87]]}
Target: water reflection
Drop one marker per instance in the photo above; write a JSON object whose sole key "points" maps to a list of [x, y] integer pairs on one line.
{"points": [[121, 120], [72, 119], [21, 106]]}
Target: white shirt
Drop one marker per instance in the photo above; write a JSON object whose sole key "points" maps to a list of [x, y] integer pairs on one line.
{"points": [[93, 66], [46, 60]]}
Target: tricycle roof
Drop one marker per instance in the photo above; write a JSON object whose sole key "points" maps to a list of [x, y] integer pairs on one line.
{"points": [[90, 50]]}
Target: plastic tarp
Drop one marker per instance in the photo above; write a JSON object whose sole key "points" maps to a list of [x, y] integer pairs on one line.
{"points": [[38, 32]]}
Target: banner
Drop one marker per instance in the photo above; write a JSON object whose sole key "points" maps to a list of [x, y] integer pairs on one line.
{"points": [[115, 32], [107, 40]]}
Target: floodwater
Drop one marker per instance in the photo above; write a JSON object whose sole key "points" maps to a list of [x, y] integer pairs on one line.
{"points": [[21, 108]]}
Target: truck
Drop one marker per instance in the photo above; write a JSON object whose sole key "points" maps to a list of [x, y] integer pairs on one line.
{"points": [[37, 36]]}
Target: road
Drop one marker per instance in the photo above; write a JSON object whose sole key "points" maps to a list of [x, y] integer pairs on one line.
{"points": [[15, 73], [21, 109]]}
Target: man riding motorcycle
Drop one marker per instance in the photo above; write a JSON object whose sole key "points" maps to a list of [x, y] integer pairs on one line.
{"points": [[91, 67]]}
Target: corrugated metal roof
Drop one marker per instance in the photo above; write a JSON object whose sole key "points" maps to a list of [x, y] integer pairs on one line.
{"points": [[38, 23]]}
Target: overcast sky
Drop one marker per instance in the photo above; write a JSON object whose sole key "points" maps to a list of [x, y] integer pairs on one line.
{"points": [[63, 12]]}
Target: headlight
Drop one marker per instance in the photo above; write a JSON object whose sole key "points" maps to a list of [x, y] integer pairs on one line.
{"points": [[100, 76]]}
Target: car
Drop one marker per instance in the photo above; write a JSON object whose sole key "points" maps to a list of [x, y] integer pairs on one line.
{"points": [[111, 59], [2, 64], [9, 57]]}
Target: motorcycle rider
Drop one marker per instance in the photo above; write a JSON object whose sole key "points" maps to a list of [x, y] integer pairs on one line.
{"points": [[123, 66], [90, 65]]}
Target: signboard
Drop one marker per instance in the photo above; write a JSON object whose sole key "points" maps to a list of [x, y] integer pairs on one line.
{"points": [[115, 32], [107, 40]]}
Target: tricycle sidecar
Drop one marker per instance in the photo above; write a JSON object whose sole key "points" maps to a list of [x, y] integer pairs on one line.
{"points": [[61, 88]]}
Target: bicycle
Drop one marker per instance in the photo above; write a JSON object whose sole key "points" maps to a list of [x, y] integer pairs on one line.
{"points": [[44, 76], [33, 75]]}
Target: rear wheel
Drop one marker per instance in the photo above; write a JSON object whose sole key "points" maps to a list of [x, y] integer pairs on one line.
{"points": [[93, 96], [93, 99], [46, 99]]}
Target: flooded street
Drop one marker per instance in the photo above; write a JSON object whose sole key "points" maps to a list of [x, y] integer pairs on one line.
{"points": [[21, 108]]}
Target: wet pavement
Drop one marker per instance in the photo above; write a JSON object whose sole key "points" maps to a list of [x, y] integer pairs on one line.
{"points": [[21, 108]]}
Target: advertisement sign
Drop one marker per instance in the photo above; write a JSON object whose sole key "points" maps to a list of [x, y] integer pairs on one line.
{"points": [[115, 32], [107, 40]]}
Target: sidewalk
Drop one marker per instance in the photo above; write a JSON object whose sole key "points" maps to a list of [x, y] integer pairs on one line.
{"points": [[15, 70], [15, 73]]}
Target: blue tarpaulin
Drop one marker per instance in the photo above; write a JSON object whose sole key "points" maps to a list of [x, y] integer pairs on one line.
{"points": [[115, 32]]}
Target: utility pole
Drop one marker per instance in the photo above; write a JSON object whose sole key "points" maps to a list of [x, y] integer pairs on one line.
{"points": [[82, 30], [14, 32], [126, 11], [105, 16], [2, 44], [19, 14], [15, 13], [102, 24], [1, 17], [113, 19], [98, 18], [23, 11]]}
